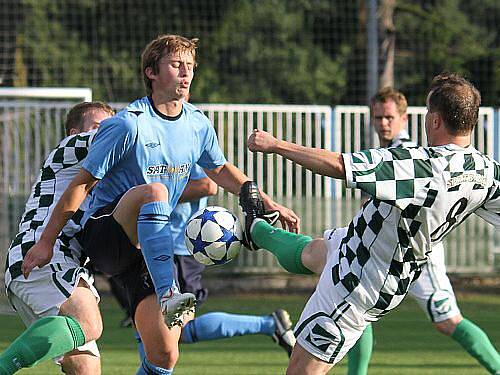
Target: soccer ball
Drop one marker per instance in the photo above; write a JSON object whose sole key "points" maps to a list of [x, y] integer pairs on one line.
{"points": [[213, 235]]}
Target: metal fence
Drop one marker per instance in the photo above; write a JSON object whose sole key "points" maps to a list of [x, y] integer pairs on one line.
{"points": [[30, 129]]}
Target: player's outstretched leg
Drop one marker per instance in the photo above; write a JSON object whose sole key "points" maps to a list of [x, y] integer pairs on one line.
{"points": [[260, 234], [220, 325]]}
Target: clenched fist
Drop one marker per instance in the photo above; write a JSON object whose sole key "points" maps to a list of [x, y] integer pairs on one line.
{"points": [[262, 141]]}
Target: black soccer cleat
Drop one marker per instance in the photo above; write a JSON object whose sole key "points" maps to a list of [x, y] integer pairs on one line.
{"points": [[253, 208], [283, 334]]}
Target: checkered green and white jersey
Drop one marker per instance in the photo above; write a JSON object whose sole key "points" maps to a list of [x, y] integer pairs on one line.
{"points": [[60, 167], [419, 196]]}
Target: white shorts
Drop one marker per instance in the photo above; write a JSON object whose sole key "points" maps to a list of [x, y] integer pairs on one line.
{"points": [[43, 295], [433, 291], [329, 326]]}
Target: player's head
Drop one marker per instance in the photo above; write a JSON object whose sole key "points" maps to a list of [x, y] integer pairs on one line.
{"points": [[453, 102], [169, 60], [388, 112], [86, 116]]}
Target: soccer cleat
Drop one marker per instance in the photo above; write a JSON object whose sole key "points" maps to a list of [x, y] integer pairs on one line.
{"points": [[174, 305], [253, 208], [283, 334]]}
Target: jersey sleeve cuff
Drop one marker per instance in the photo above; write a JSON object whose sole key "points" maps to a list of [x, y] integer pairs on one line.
{"points": [[95, 173], [349, 178]]}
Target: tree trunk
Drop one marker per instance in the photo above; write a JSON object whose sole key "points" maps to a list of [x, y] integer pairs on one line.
{"points": [[387, 34]]}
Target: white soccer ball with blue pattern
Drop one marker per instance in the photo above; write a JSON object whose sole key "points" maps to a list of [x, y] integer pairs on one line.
{"points": [[213, 235]]}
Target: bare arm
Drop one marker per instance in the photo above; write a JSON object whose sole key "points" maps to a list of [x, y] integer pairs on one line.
{"points": [[41, 253], [197, 189], [228, 177], [231, 178], [326, 163]]}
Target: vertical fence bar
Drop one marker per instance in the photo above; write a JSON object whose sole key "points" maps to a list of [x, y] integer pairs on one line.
{"points": [[279, 158]]}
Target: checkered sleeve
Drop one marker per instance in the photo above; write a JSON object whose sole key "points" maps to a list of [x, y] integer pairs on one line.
{"points": [[70, 151], [393, 175], [490, 210]]}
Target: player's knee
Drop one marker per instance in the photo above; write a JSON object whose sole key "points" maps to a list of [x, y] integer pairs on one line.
{"points": [[293, 369], [314, 255], [82, 306], [93, 330], [91, 325], [448, 326], [164, 357], [154, 192], [81, 364]]}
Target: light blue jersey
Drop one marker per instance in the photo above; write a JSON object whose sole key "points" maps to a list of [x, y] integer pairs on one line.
{"points": [[183, 212], [139, 145]]}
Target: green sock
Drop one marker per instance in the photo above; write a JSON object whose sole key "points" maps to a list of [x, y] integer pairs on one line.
{"points": [[47, 338], [286, 246], [360, 354], [477, 344]]}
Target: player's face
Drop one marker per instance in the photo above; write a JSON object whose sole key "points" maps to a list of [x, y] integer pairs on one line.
{"points": [[175, 73], [387, 121]]}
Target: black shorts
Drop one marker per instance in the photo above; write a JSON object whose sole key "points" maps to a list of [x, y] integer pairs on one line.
{"points": [[188, 276], [111, 252]]}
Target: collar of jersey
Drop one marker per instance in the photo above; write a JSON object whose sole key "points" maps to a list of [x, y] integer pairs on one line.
{"points": [[453, 146], [165, 117]]}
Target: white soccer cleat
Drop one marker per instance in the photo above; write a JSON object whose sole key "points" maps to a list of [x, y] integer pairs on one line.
{"points": [[174, 305]]}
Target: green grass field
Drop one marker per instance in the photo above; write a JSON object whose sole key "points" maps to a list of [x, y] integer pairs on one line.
{"points": [[405, 341]]}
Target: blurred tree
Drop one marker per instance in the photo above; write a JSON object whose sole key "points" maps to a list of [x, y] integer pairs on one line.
{"points": [[46, 40], [264, 52], [433, 36], [485, 69]]}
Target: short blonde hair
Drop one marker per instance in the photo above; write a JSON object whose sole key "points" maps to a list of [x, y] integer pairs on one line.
{"points": [[162, 46], [389, 93]]}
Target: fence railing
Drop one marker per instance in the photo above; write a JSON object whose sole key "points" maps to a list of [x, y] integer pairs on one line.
{"points": [[30, 129]]}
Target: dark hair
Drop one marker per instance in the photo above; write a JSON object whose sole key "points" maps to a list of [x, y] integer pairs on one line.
{"points": [[456, 100], [389, 93], [76, 116], [162, 46]]}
